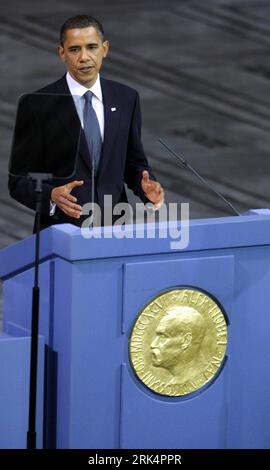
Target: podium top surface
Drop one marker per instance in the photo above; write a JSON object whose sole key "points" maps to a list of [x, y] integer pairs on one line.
{"points": [[67, 242]]}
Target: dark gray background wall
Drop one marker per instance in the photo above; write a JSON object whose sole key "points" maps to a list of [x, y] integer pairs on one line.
{"points": [[201, 68]]}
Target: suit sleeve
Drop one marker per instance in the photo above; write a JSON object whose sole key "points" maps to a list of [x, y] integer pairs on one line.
{"points": [[23, 191], [136, 161], [27, 148]]}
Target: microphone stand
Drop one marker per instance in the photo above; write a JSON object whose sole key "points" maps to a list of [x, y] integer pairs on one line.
{"points": [[31, 433], [93, 176], [203, 180]]}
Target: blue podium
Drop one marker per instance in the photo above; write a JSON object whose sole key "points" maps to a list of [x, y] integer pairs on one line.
{"points": [[92, 291]]}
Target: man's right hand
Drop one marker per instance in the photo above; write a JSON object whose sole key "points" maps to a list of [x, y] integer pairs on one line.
{"points": [[65, 201]]}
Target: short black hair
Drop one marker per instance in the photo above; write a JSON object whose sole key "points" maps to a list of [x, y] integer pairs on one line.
{"points": [[80, 21]]}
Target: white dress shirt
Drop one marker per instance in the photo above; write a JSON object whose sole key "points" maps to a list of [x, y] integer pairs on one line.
{"points": [[77, 91]]}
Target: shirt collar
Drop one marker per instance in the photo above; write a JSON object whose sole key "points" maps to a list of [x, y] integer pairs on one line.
{"points": [[78, 90]]}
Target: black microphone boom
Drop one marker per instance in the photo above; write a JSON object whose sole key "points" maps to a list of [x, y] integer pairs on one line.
{"points": [[205, 182]]}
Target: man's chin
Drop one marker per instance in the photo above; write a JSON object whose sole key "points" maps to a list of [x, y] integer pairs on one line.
{"points": [[86, 80]]}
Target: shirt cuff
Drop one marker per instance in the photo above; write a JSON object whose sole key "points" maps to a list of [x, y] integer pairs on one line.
{"points": [[52, 208]]}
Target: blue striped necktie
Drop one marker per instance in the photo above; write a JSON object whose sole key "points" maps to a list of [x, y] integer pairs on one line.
{"points": [[92, 131]]}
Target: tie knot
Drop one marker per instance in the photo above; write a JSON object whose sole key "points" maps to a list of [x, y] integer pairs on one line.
{"points": [[88, 97]]}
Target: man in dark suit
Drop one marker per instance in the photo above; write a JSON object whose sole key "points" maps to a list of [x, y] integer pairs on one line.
{"points": [[115, 121]]}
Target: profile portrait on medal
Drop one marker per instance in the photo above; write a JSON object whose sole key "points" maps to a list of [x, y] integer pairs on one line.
{"points": [[177, 342]]}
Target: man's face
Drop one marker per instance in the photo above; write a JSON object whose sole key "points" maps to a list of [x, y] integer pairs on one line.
{"points": [[166, 347], [83, 52]]}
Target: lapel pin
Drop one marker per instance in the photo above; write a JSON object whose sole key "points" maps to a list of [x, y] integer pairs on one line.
{"points": [[113, 109]]}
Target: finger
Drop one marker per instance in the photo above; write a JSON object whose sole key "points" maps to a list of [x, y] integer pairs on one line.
{"points": [[73, 184], [156, 186], [70, 197], [158, 205], [160, 195], [160, 201], [145, 176], [156, 198], [73, 214], [70, 212], [159, 191], [62, 200]]}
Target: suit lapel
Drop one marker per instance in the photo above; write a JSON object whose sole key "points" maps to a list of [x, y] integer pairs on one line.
{"points": [[67, 114], [111, 123]]}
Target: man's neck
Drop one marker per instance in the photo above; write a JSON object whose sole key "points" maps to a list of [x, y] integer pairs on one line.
{"points": [[85, 85]]}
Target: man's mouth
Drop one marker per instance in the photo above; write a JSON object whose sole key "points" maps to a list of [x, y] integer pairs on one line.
{"points": [[86, 69]]}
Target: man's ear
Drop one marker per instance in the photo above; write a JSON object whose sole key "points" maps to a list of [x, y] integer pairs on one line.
{"points": [[106, 46], [61, 53]]}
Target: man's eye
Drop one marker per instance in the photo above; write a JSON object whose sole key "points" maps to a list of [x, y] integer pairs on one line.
{"points": [[74, 49]]}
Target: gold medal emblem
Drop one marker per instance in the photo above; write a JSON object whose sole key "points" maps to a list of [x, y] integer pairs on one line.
{"points": [[178, 342]]}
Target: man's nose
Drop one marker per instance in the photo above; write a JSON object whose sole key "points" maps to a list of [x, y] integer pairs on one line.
{"points": [[83, 55]]}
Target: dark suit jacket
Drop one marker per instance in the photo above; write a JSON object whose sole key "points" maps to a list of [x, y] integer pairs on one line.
{"points": [[48, 133]]}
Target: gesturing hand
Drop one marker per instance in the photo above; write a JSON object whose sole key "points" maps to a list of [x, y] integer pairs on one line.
{"points": [[65, 201], [152, 190]]}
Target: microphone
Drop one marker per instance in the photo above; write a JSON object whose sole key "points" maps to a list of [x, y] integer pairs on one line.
{"points": [[202, 180]]}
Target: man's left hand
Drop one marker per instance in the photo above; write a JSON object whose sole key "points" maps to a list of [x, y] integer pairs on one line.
{"points": [[152, 190]]}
